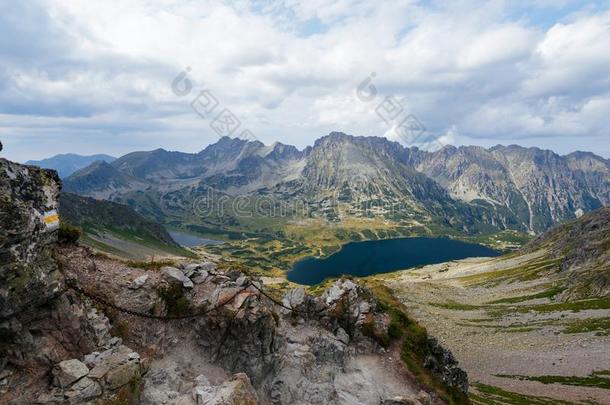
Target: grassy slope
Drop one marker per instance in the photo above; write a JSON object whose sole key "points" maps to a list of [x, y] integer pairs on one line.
{"points": [[413, 339], [105, 224], [583, 246]]}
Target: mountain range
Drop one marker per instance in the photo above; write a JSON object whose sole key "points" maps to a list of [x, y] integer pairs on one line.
{"points": [[470, 189], [66, 164]]}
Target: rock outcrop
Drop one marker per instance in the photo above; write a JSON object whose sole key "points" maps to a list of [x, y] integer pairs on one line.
{"points": [[101, 373], [28, 214], [584, 248], [310, 349], [45, 329]]}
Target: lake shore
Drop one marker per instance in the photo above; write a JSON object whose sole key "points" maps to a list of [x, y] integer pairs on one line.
{"points": [[361, 259]]}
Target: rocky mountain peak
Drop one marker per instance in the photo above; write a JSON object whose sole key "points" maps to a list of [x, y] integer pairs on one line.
{"points": [[227, 144], [280, 151], [506, 187]]}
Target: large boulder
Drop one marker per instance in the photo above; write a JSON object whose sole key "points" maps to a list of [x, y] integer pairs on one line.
{"points": [[28, 222], [83, 390], [138, 282], [69, 371], [174, 276], [294, 298], [100, 376], [115, 367]]}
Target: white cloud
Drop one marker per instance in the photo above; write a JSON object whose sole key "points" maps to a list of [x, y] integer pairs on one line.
{"points": [[289, 70]]}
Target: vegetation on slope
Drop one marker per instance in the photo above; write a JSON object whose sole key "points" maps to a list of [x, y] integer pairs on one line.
{"points": [[99, 217], [490, 395], [583, 245], [414, 343], [600, 379]]}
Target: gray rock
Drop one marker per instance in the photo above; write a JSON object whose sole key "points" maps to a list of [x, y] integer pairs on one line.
{"points": [[220, 279], [190, 269], [113, 342], [138, 282], [5, 374], [100, 325], [334, 293], [294, 298], [174, 276], [202, 395], [338, 290], [69, 371], [348, 285], [116, 367], [233, 274], [161, 385], [187, 283], [342, 336], [364, 307], [441, 362], [50, 398], [237, 390], [207, 266], [123, 373], [200, 276], [91, 359], [83, 390]]}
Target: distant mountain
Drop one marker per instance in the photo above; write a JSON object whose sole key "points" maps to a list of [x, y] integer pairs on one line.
{"points": [[469, 189], [538, 187], [115, 228], [68, 163], [101, 178]]}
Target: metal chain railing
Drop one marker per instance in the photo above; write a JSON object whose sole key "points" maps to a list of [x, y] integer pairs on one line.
{"points": [[278, 303], [71, 283]]}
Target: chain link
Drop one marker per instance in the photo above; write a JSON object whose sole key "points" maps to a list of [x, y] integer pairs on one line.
{"points": [[72, 285]]}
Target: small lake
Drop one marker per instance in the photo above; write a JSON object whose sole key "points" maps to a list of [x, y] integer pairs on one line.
{"points": [[189, 240], [362, 259]]}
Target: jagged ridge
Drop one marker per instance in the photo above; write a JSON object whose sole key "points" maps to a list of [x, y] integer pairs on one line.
{"points": [[469, 188]]}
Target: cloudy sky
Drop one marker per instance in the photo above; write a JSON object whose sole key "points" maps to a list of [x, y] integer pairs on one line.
{"points": [[96, 76]]}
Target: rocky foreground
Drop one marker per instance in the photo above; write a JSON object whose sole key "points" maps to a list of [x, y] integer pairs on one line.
{"points": [[78, 327]]}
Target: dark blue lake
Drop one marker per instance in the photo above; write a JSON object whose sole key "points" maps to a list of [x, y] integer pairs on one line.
{"points": [[381, 256]]}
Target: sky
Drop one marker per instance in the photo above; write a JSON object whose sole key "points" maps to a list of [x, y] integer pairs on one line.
{"points": [[118, 76]]}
